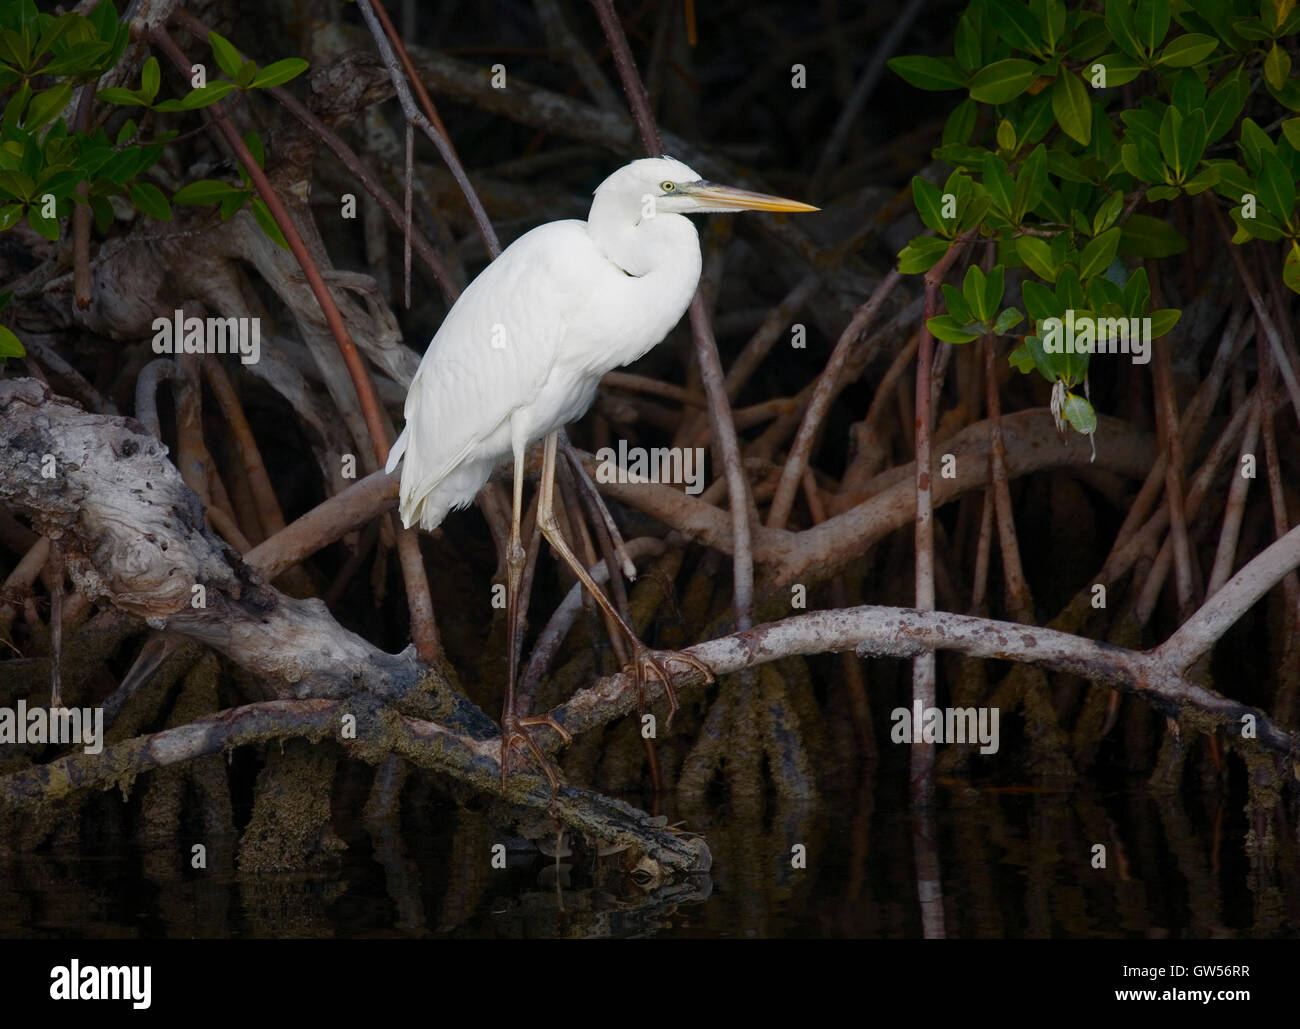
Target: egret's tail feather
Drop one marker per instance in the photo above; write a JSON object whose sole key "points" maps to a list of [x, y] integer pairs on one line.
{"points": [[395, 455], [428, 504]]}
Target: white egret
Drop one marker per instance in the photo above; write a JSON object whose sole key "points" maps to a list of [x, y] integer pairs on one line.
{"points": [[520, 355]]}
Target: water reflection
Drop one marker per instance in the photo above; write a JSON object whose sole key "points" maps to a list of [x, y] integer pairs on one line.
{"points": [[1015, 861]]}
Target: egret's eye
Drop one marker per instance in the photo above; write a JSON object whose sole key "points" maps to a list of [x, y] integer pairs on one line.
{"points": [[667, 187]]}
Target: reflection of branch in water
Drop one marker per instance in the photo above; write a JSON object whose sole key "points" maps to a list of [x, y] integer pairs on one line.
{"points": [[596, 914]]}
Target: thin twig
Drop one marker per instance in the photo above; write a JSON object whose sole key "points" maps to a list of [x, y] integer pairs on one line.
{"points": [[923, 665], [819, 405], [54, 570], [268, 505], [724, 436], [82, 283], [76, 382], [1280, 356], [426, 125], [1167, 418], [1276, 491], [859, 705], [1218, 614], [1234, 508], [706, 348], [637, 98], [595, 505], [1015, 585], [562, 38], [765, 336]]}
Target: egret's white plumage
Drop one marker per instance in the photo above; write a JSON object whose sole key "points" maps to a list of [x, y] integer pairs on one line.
{"points": [[521, 353], [524, 347]]}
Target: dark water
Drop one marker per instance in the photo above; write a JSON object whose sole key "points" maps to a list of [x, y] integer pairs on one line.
{"points": [[1013, 862]]}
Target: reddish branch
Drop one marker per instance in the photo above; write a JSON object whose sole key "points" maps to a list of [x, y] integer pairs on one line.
{"points": [[351, 357], [423, 627]]}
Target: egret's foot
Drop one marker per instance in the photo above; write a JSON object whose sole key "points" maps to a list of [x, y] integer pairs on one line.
{"points": [[647, 663], [513, 731]]}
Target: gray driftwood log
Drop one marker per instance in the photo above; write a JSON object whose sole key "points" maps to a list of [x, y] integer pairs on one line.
{"points": [[134, 534]]}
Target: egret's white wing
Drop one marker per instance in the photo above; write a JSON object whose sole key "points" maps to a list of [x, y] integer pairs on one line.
{"points": [[495, 349]]}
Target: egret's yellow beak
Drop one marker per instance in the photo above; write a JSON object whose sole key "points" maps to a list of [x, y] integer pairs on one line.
{"points": [[711, 195]]}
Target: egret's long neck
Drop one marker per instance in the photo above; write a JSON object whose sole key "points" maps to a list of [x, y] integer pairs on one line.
{"points": [[640, 245]]}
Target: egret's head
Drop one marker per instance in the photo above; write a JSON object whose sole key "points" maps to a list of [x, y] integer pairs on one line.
{"points": [[673, 188]]}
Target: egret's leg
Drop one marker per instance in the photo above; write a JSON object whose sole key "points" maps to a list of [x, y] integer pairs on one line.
{"points": [[512, 726], [644, 660]]}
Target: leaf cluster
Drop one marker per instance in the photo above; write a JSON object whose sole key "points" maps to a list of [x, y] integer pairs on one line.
{"points": [[1062, 167]]}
